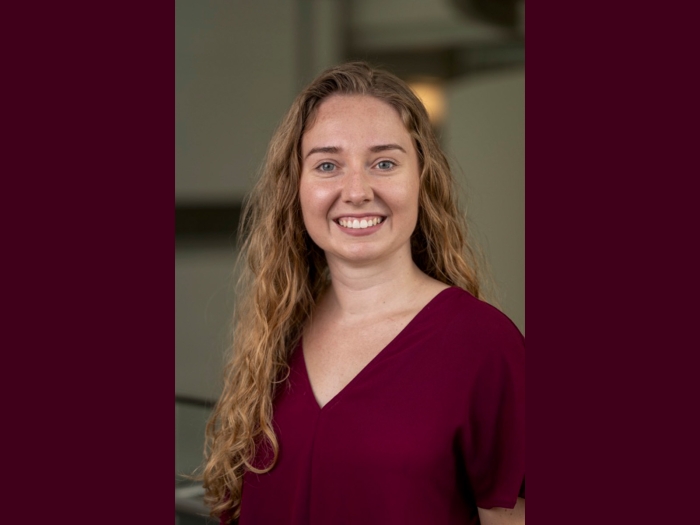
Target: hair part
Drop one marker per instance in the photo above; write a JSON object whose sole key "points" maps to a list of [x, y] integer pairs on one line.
{"points": [[283, 273]]}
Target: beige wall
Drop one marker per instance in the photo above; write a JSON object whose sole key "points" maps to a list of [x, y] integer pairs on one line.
{"points": [[204, 283], [235, 75], [485, 138]]}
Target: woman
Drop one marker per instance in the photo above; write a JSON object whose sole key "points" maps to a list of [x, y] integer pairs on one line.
{"points": [[368, 381]]}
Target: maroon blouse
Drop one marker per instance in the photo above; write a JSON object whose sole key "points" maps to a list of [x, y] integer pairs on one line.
{"points": [[432, 428]]}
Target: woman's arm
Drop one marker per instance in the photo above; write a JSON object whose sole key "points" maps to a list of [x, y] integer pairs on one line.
{"points": [[501, 516]]}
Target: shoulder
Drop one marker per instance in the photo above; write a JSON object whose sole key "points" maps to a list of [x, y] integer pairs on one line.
{"points": [[484, 349], [474, 334], [467, 315]]}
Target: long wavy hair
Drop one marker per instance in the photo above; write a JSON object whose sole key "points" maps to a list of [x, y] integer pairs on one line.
{"points": [[283, 273]]}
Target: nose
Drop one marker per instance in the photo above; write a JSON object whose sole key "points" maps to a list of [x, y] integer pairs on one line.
{"points": [[356, 187]]}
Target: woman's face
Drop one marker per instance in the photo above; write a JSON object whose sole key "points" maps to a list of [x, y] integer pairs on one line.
{"points": [[359, 181]]}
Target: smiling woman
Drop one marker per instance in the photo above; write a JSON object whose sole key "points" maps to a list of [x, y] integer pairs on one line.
{"points": [[359, 195], [369, 381]]}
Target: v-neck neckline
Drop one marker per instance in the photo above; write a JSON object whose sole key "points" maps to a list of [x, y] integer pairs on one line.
{"points": [[382, 353]]}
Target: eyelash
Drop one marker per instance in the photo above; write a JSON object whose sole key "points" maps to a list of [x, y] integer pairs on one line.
{"points": [[333, 166]]}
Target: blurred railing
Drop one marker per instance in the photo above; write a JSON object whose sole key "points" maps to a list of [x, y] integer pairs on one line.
{"points": [[191, 415]]}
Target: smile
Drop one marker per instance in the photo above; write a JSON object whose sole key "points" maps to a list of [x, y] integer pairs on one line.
{"points": [[355, 223]]}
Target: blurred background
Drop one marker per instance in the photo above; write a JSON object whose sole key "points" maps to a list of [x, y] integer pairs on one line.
{"points": [[238, 66]]}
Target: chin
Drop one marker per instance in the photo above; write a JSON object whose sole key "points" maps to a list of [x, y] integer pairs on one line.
{"points": [[365, 254]]}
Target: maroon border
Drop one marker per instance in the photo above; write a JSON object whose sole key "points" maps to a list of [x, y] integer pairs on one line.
{"points": [[611, 300], [137, 332], [89, 201], [557, 236]]}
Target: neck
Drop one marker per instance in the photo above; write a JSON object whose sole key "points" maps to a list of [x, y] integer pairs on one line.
{"points": [[359, 291]]}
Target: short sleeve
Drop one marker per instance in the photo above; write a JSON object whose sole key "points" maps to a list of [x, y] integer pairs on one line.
{"points": [[493, 433]]}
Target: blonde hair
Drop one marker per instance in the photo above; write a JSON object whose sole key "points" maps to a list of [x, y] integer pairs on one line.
{"points": [[284, 272]]}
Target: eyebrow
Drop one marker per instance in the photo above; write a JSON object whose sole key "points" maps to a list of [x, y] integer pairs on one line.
{"points": [[335, 149], [323, 149]]}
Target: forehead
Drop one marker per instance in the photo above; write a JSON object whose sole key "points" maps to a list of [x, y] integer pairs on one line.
{"points": [[355, 117]]}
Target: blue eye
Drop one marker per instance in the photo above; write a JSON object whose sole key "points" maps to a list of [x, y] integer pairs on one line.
{"points": [[385, 165], [326, 166]]}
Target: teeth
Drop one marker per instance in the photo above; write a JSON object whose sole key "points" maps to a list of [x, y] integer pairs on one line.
{"points": [[359, 223]]}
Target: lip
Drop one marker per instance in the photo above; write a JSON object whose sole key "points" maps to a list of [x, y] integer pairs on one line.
{"points": [[360, 232], [358, 216]]}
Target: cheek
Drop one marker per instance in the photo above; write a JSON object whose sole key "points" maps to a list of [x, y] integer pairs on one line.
{"points": [[406, 198], [315, 202], [411, 203]]}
